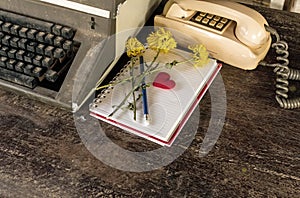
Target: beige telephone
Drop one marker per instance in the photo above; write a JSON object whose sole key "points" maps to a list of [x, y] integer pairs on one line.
{"points": [[232, 33]]}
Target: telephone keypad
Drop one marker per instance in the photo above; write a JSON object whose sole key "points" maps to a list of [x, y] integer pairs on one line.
{"points": [[209, 20]]}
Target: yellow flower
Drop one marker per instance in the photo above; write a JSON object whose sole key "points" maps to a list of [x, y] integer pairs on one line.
{"points": [[200, 55], [134, 47], [161, 40]]}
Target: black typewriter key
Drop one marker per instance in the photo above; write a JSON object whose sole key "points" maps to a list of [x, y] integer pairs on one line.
{"points": [[6, 27], [40, 49], [68, 45], [67, 32], [28, 69], [10, 64], [14, 42], [47, 62], [49, 39], [22, 43], [28, 57], [38, 72], [3, 60], [18, 78], [57, 29], [31, 46], [49, 50], [1, 35], [19, 67], [1, 23], [40, 37], [6, 40], [23, 32], [15, 30], [12, 53], [37, 60], [31, 34], [58, 53], [4, 50], [20, 55], [58, 41], [51, 75]]}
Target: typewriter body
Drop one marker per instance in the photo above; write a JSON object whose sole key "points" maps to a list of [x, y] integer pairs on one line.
{"points": [[44, 42]]}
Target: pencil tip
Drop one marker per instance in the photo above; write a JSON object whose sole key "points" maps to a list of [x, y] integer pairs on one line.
{"points": [[147, 118]]}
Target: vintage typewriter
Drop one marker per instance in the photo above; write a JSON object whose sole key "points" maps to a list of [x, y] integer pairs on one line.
{"points": [[44, 42]]}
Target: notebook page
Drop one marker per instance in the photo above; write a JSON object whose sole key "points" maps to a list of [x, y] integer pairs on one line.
{"points": [[166, 107]]}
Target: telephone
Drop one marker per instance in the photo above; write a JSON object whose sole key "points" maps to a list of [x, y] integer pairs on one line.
{"points": [[231, 32], [234, 34]]}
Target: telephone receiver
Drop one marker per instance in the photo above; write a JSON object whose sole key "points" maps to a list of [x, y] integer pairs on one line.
{"points": [[231, 32]]}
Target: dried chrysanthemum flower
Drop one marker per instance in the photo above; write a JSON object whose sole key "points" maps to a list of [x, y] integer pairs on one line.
{"points": [[200, 55], [161, 41], [134, 47]]}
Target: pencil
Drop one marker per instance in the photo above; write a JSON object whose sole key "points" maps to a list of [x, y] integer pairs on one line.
{"points": [[144, 91]]}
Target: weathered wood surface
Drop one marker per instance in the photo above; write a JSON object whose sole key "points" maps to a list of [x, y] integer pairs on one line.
{"points": [[257, 154]]}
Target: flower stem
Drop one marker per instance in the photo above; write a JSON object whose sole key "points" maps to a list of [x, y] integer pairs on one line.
{"points": [[123, 101], [140, 79], [132, 87]]}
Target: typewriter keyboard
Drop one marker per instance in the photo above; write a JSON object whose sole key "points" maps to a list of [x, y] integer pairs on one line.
{"points": [[34, 51]]}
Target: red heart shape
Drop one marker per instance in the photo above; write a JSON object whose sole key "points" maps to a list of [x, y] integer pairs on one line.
{"points": [[163, 81]]}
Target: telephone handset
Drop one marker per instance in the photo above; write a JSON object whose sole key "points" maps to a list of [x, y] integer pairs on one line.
{"points": [[232, 33]]}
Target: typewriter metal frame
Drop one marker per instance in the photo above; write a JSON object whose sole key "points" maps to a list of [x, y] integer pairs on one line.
{"points": [[90, 30]]}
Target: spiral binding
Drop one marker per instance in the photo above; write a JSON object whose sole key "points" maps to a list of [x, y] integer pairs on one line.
{"points": [[283, 73], [107, 91]]}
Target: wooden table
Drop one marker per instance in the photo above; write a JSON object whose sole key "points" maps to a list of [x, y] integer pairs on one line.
{"points": [[257, 154]]}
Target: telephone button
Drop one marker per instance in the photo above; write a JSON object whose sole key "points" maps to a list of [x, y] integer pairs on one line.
{"points": [[224, 20], [220, 25], [210, 16], [205, 21], [212, 23], [217, 18], [202, 14], [198, 18]]}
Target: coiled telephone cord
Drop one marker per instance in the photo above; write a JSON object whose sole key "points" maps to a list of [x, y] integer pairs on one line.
{"points": [[283, 72]]}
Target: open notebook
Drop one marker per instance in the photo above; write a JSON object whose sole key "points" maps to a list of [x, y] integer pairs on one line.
{"points": [[169, 108]]}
